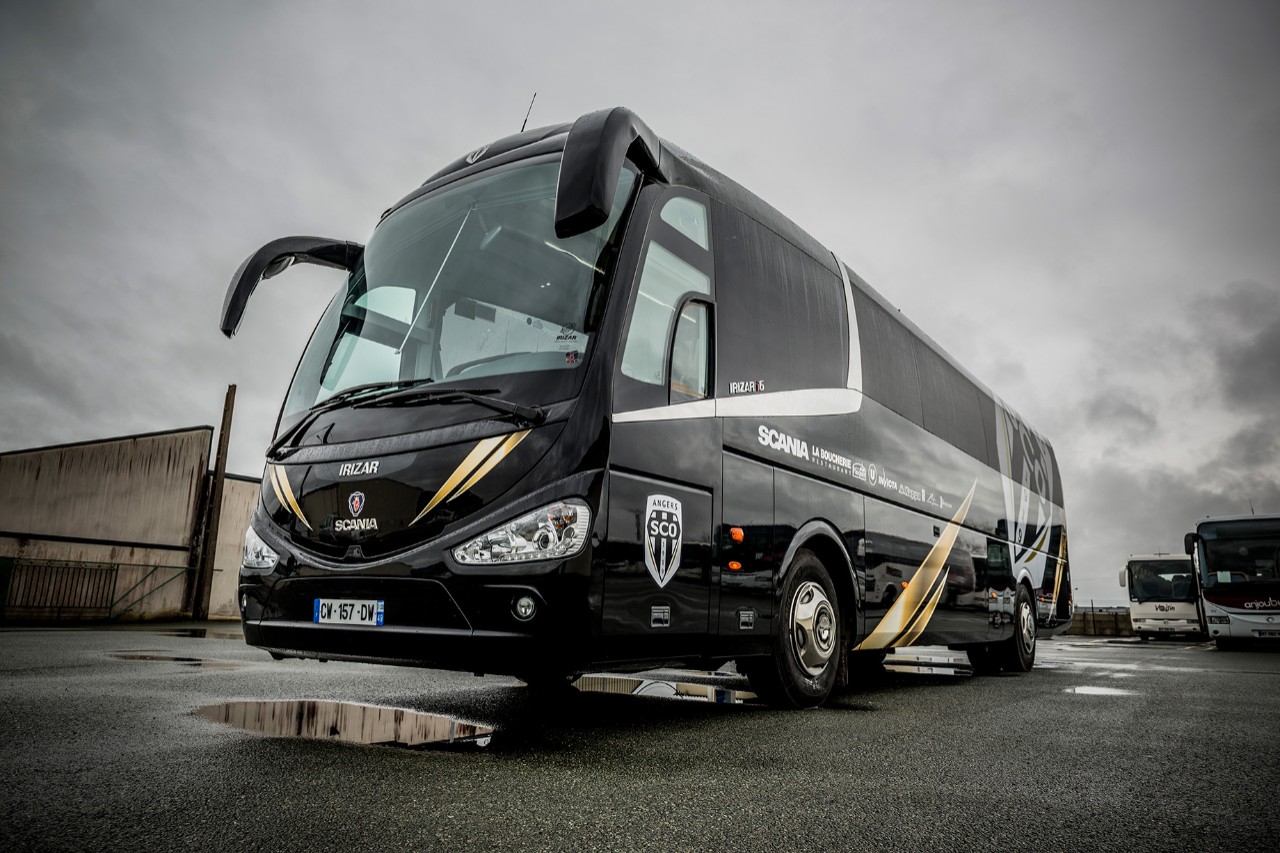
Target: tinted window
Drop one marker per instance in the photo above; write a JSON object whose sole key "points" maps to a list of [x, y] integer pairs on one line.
{"points": [[782, 315], [889, 374], [950, 403]]}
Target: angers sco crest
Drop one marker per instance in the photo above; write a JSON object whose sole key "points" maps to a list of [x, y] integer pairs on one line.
{"points": [[663, 530]]}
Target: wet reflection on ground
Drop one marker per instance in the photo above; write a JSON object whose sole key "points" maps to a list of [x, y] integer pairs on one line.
{"points": [[924, 662], [203, 633], [347, 722], [185, 661], [639, 685], [1089, 690]]}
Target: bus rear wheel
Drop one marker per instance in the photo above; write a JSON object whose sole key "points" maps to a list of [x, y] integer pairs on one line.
{"points": [[1018, 653], [806, 650]]}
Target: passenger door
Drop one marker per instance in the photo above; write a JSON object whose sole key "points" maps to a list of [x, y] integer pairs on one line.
{"points": [[664, 473]]}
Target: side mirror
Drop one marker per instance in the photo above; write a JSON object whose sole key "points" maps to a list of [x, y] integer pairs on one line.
{"points": [[1189, 543], [273, 259], [1124, 577], [598, 144]]}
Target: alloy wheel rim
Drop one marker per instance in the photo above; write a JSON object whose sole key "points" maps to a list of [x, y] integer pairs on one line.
{"points": [[1027, 628]]}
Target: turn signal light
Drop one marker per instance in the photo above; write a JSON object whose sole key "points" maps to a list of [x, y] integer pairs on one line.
{"points": [[735, 566], [736, 534], [904, 584]]}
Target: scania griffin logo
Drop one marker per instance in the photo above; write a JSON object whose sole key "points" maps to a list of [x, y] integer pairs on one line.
{"points": [[355, 503], [663, 532]]}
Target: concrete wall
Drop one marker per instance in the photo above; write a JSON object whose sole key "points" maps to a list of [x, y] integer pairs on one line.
{"points": [[1101, 624], [144, 591], [127, 502], [239, 498], [138, 490]]}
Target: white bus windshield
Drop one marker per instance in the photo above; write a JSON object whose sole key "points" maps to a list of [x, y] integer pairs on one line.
{"points": [[1161, 580]]}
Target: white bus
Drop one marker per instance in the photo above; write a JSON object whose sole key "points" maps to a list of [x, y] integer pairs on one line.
{"points": [[1239, 577], [1163, 597]]}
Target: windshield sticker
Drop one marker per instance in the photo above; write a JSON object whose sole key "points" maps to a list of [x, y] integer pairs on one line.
{"points": [[663, 532], [568, 339], [571, 357]]}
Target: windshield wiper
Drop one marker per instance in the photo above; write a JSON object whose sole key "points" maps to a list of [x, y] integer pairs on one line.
{"points": [[408, 397], [336, 401]]}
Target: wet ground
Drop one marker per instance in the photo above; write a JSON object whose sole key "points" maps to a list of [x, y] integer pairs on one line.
{"points": [[181, 737]]}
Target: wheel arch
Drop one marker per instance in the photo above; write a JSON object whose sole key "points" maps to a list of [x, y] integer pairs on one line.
{"points": [[822, 538]]}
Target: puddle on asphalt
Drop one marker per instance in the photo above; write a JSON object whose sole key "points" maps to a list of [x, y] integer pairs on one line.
{"points": [[202, 634], [1090, 690], [185, 661], [347, 722], [635, 685]]}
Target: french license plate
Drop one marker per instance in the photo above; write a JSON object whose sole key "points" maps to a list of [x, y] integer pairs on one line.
{"points": [[347, 611], [1271, 634]]}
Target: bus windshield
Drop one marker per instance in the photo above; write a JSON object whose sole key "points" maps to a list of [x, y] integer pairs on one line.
{"points": [[1161, 580], [1242, 555], [466, 282]]}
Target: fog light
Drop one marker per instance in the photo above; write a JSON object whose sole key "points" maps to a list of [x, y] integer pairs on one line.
{"points": [[525, 608]]}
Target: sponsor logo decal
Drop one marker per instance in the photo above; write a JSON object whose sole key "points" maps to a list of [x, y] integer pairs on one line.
{"points": [[1164, 608], [477, 154], [797, 447], [750, 386], [1262, 605], [355, 503], [663, 533], [353, 469], [353, 525], [860, 471]]}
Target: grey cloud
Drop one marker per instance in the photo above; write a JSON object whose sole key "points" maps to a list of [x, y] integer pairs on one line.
{"points": [[1252, 451], [1123, 410], [1241, 328]]}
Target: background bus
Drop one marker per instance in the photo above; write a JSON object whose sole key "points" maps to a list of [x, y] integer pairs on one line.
{"points": [[1239, 579], [1163, 599]]}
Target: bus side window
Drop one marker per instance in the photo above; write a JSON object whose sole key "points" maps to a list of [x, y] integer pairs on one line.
{"points": [[690, 362], [665, 280]]}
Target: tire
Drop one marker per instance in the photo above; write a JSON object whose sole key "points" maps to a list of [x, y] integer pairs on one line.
{"points": [[1145, 636], [982, 660], [548, 681], [1227, 644], [1018, 653], [802, 669]]}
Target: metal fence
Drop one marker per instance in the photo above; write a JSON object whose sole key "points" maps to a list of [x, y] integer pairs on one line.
{"points": [[66, 590]]}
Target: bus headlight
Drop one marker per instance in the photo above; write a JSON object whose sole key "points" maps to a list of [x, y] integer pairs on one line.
{"points": [[259, 558], [550, 532]]}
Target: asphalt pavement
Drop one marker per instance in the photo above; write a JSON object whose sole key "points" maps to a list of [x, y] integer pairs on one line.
{"points": [[109, 742]]}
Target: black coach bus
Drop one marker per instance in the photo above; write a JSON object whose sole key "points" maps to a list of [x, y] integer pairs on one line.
{"points": [[584, 403]]}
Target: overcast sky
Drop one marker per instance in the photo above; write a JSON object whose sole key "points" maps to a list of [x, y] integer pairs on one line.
{"points": [[1080, 201]]}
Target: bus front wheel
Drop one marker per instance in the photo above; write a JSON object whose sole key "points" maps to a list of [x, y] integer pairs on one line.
{"points": [[806, 650]]}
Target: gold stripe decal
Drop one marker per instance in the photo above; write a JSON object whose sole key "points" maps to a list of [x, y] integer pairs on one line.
{"points": [[484, 450], [500, 454], [1057, 578], [910, 614], [280, 480], [275, 487]]}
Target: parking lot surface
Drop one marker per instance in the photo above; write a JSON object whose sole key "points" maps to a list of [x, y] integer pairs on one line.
{"points": [[136, 739]]}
